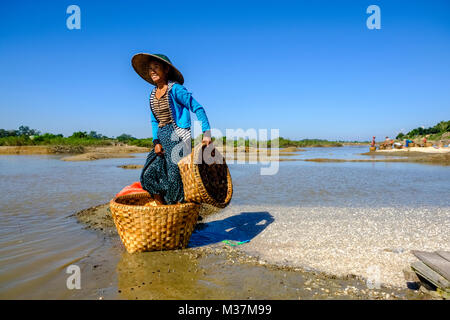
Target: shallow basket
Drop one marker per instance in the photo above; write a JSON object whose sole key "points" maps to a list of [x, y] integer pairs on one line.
{"points": [[372, 149], [206, 183], [149, 228]]}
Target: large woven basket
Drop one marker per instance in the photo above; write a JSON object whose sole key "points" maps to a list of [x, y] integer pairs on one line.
{"points": [[206, 183], [143, 227]]}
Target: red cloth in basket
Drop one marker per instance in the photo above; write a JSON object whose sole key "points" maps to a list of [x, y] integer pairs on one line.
{"points": [[136, 187]]}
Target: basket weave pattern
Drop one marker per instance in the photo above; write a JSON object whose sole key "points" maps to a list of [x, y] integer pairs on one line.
{"points": [[203, 183], [143, 227]]}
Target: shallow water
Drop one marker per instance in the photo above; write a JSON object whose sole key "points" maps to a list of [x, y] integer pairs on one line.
{"points": [[343, 184], [345, 152], [38, 239]]}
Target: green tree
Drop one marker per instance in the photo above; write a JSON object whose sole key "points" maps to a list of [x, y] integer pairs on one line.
{"points": [[4, 133], [125, 137], [95, 135], [26, 131], [79, 135], [443, 126]]}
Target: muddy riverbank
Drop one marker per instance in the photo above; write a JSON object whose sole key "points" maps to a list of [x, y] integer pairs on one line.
{"points": [[220, 271], [76, 153], [416, 155], [339, 219], [90, 153], [438, 158]]}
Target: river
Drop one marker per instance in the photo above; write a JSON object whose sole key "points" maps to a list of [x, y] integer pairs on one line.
{"points": [[39, 238]]}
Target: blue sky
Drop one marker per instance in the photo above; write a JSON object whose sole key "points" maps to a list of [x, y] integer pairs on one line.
{"points": [[309, 68]]}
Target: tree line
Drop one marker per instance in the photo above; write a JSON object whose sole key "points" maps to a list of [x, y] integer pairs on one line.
{"points": [[437, 130], [25, 136]]}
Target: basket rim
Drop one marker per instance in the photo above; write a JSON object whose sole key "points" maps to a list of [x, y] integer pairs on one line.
{"points": [[146, 228], [141, 195], [197, 176]]}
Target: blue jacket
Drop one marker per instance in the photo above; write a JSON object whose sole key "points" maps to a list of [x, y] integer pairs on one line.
{"points": [[181, 102]]}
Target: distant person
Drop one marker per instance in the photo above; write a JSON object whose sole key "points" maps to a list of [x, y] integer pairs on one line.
{"points": [[407, 142], [398, 145], [388, 142], [373, 142]]}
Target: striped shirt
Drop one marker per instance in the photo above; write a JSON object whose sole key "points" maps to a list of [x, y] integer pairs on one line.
{"points": [[163, 113], [161, 108]]}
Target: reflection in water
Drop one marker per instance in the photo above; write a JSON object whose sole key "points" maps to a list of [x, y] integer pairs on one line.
{"points": [[38, 239], [180, 274], [157, 275]]}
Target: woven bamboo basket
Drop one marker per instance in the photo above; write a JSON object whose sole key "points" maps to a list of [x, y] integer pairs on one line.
{"points": [[143, 227], [206, 183], [372, 149], [411, 144]]}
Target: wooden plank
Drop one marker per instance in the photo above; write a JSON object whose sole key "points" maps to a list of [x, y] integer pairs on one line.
{"points": [[429, 274], [435, 262], [444, 254]]}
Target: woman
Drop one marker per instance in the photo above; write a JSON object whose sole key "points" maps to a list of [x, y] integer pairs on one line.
{"points": [[170, 106]]}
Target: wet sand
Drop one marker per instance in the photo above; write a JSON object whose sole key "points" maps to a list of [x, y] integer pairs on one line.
{"points": [[26, 150], [422, 155], [80, 153], [291, 149], [418, 155], [254, 155], [211, 269], [76, 153], [248, 154], [131, 166], [343, 240], [95, 153], [413, 151]]}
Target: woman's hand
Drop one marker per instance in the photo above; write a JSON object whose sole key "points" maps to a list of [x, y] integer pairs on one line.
{"points": [[159, 150], [206, 140]]}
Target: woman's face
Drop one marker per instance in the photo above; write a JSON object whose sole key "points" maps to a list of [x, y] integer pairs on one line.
{"points": [[157, 71]]}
